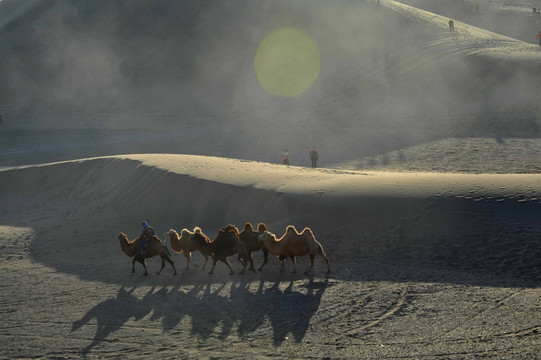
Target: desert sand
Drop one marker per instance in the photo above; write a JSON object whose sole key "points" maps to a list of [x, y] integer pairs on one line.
{"points": [[431, 225], [424, 264]]}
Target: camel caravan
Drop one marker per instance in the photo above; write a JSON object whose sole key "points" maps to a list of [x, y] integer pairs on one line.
{"points": [[228, 242]]}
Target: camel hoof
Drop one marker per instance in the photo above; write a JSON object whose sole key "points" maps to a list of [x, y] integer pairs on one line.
{"points": [[242, 272], [145, 274]]}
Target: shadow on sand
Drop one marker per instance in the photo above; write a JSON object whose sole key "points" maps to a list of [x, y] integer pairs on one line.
{"points": [[211, 311]]}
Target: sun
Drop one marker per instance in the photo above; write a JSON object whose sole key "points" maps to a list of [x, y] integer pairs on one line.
{"points": [[287, 62]]}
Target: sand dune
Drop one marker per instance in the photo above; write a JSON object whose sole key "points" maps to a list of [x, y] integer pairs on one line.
{"points": [[392, 235]]}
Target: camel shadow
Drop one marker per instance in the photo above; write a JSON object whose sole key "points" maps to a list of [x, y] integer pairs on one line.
{"points": [[212, 310]]}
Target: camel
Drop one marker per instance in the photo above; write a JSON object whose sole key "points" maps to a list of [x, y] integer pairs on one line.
{"points": [[187, 243], [155, 247], [250, 238], [293, 244], [228, 243]]}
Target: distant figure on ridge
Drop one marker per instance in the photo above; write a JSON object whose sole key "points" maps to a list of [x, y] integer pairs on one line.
{"points": [[285, 156], [538, 36], [451, 26], [146, 235], [314, 157]]}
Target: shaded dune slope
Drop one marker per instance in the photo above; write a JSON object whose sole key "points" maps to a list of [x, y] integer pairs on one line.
{"points": [[471, 223]]}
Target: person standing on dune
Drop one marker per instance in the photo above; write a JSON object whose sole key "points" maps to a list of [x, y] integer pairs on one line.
{"points": [[451, 26], [314, 156], [539, 37], [285, 156]]}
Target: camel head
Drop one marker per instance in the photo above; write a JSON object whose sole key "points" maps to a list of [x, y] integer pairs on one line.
{"points": [[126, 246], [123, 237], [171, 234], [267, 238]]}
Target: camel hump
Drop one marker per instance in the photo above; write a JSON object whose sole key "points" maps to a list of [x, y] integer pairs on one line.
{"points": [[248, 227], [291, 228], [197, 230], [184, 231], [262, 227], [308, 231]]}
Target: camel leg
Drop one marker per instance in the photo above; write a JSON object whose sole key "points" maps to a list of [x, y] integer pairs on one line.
{"points": [[228, 265], [205, 264], [312, 258], [265, 259], [187, 256], [190, 259], [282, 259], [172, 264], [244, 263], [251, 259], [133, 264], [294, 265], [145, 265], [163, 265], [214, 261]]}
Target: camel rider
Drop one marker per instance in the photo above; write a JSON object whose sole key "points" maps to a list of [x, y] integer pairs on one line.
{"points": [[145, 237]]}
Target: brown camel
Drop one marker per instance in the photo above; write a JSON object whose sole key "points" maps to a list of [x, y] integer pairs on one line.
{"points": [[187, 243], [250, 238], [293, 244], [155, 247], [228, 243]]}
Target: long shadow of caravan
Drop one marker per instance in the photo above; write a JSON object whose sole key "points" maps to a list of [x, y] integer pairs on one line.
{"points": [[212, 310]]}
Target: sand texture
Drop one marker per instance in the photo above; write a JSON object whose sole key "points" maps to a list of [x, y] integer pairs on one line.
{"points": [[424, 264]]}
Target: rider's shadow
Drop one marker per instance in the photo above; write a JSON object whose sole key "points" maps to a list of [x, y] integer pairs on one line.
{"points": [[112, 314]]}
